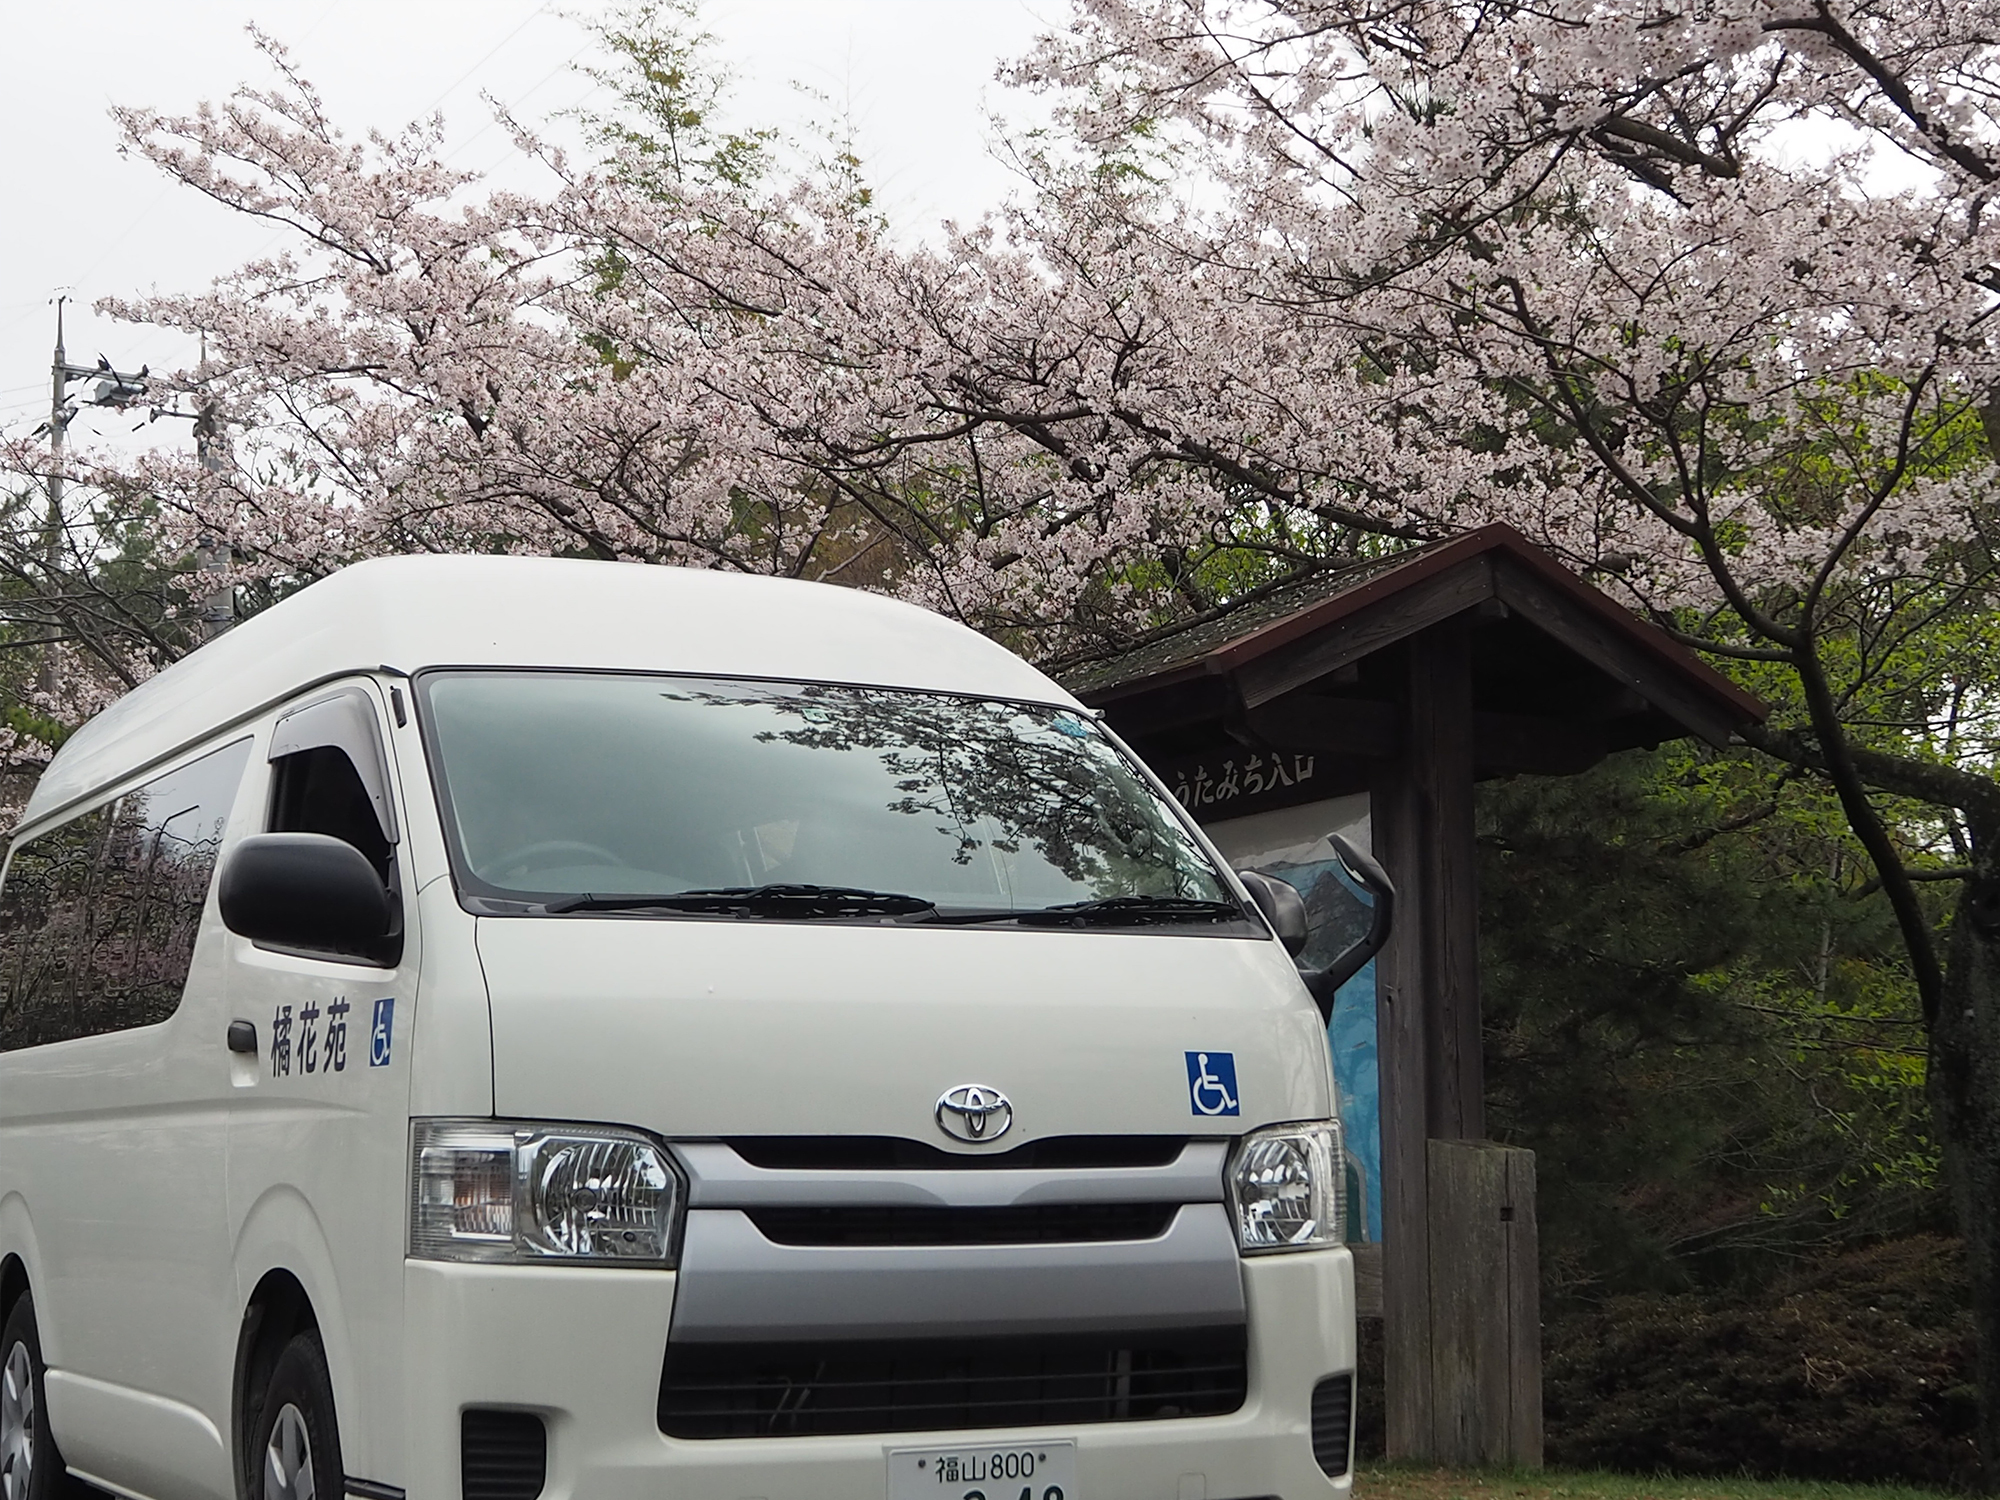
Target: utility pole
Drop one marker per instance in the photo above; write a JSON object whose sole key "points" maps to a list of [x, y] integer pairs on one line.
{"points": [[58, 425], [52, 520], [119, 390], [45, 677], [218, 606], [115, 388]]}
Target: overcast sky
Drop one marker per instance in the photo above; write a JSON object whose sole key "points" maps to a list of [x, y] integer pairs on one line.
{"points": [[915, 77]]}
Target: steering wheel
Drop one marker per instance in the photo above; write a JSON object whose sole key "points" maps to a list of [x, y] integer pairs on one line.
{"points": [[526, 857]]}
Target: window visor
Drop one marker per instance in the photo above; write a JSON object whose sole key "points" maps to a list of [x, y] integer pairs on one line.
{"points": [[345, 721]]}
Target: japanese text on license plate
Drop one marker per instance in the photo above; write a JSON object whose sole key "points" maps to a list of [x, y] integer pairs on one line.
{"points": [[997, 1471]]}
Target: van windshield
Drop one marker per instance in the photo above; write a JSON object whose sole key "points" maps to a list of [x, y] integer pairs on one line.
{"points": [[564, 790]]}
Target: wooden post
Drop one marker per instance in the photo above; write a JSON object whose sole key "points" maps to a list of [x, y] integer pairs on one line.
{"points": [[1427, 1036], [1524, 1313], [1486, 1346], [1399, 1051], [1440, 741]]}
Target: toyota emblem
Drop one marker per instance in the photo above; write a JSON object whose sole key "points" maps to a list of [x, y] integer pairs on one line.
{"points": [[972, 1112]]}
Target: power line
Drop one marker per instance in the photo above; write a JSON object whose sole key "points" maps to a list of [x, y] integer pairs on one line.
{"points": [[520, 99], [514, 150], [124, 234], [107, 248], [280, 235], [301, 39], [452, 88], [118, 239]]}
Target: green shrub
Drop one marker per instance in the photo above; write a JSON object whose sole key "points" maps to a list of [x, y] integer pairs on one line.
{"points": [[1857, 1367]]}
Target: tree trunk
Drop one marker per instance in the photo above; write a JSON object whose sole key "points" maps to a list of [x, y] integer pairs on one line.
{"points": [[1964, 1085]]}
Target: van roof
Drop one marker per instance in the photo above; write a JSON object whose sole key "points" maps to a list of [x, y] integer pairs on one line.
{"points": [[407, 613]]}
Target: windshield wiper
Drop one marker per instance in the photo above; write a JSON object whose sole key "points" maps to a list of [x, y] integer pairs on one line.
{"points": [[807, 901], [756, 901], [1108, 911]]}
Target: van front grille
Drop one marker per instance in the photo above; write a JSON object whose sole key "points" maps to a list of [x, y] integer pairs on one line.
{"points": [[1025, 1224], [877, 1153], [929, 1385]]}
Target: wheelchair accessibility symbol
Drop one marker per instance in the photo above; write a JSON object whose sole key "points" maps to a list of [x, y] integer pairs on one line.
{"points": [[382, 1032], [1212, 1083]]}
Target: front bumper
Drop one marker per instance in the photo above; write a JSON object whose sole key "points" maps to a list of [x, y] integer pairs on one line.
{"points": [[584, 1348]]}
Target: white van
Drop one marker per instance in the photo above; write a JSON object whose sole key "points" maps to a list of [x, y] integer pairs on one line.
{"points": [[490, 1028]]}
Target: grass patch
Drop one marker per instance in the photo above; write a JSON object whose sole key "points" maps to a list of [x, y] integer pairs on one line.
{"points": [[1417, 1482]]}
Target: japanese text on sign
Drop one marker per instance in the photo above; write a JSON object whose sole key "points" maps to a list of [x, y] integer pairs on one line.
{"points": [[1256, 775]]}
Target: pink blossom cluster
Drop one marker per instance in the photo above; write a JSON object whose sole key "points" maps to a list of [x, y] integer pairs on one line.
{"points": [[1304, 279]]}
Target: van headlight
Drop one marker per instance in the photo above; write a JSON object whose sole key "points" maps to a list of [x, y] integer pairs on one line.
{"points": [[1284, 1187], [501, 1190]]}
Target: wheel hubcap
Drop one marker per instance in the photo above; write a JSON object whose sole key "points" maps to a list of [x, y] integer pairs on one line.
{"points": [[17, 1424], [288, 1466]]}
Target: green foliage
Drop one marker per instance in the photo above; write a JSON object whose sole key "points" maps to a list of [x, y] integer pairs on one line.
{"points": [[1698, 1015], [669, 89]]}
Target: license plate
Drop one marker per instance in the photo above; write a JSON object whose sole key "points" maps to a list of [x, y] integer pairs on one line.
{"points": [[991, 1471]]}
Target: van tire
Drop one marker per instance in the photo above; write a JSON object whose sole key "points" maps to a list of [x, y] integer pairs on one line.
{"points": [[296, 1430], [25, 1441]]}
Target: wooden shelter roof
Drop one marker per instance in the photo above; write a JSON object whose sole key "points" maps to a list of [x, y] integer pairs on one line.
{"points": [[1562, 673]]}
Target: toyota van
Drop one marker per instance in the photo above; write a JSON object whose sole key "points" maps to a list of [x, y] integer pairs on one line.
{"points": [[499, 1028]]}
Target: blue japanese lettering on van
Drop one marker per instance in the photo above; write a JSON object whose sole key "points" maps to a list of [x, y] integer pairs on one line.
{"points": [[1212, 1084], [381, 1034]]}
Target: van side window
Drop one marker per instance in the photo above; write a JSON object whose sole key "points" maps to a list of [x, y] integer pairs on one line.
{"points": [[319, 791], [98, 918]]}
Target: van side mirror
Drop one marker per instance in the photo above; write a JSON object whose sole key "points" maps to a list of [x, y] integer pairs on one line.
{"points": [[1285, 910], [311, 894], [1372, 878], [1283, 907]]}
